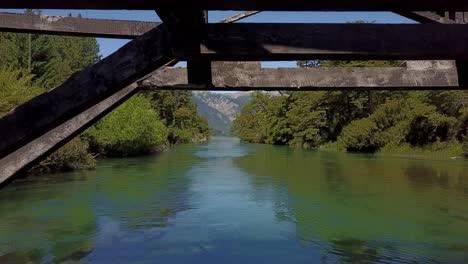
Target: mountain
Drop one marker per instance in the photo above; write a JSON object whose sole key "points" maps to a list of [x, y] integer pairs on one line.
{"points": [[220, 108]]}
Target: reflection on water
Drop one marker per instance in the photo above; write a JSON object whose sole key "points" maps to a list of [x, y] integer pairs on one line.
{"points": [[229, 202]]}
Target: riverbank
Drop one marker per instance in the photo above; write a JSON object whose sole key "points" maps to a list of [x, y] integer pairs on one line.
{"points": [[436, 151], [425, 123]]}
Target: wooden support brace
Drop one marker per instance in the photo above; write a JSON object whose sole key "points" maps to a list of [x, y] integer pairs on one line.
{"points": [[83, 91], [25, 157], [426, 17]]}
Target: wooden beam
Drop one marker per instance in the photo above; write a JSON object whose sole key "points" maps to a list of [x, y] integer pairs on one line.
{"points": [[228, 77], [84, 90], [74, 26], [256, 41], [445, 18], [427, 17], [267, 5], [238, 17]]}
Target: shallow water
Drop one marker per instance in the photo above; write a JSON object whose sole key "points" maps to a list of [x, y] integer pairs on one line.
{"points": [[229, 202]]}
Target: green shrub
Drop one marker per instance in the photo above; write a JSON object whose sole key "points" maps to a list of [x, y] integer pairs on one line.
{"points": [[361, 135], [74, 155], [188, 127], [15, 89], [131, 129], [429, 127]]}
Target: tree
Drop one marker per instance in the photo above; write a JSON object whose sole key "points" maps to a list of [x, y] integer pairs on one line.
{"points": [[132, 129], [15, 89], [179, 114]]}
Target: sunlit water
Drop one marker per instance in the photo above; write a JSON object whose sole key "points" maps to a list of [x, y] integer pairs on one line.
{"points": [[229, 202]]}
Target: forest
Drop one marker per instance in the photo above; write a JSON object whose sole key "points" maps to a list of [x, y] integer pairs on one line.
{"points": [[149, 122], [426, 123]]}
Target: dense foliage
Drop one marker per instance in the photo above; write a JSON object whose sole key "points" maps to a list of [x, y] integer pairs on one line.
{"points": [[179, 114], [15, 88], [365, 121], [131, 129], [32, 64]]}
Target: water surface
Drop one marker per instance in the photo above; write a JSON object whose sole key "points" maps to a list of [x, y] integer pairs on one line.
{"points": [[230, 202]]}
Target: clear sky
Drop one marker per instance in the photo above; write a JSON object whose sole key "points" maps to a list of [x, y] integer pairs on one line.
{"points": [[108, 46]]}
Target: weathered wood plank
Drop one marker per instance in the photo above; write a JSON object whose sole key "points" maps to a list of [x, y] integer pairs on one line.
{"points": [[312, 79], [427, 17], [39, 148], [85, 27], [267, 5], [73, 26], [256, 41], [238, 17], [84, 90]]}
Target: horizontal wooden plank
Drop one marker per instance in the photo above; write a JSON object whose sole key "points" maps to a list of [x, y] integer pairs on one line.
{"points": [[250, 78], [86, 27], [257, 41], [74, 26], [238, 17], [267, 5]]}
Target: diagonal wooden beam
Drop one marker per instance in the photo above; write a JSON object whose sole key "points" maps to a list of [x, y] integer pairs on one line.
{"points": [[25, 157], [267, 5], [238, 17], [257, 41], [74, 26], [427, 17], [83, 91], [232, 77]]}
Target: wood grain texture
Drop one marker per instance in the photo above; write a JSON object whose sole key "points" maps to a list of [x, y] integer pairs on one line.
{"points": [[248, 77], [73, 26], [267, 41]]}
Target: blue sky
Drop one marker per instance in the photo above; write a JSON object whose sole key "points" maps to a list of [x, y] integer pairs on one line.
{"points": [[108, 46]]}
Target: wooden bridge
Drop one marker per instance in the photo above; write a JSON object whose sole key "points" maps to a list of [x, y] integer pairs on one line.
{"points": [[435, 54]]}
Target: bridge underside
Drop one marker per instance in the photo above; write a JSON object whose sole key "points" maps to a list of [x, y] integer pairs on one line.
{"points": [[37, 128]]}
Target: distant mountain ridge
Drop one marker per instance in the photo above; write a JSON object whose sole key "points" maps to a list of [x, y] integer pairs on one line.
{"points": [[220, 108]]}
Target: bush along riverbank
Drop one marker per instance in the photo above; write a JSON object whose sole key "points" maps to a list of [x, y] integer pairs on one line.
{"points": [[134, 128], [147, 123], [423, 123]]}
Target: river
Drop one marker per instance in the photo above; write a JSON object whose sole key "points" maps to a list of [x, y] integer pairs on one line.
{"points": [[231, 202]]}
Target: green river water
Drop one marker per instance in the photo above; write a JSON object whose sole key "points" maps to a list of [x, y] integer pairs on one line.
{"points": [[230, 202]]}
